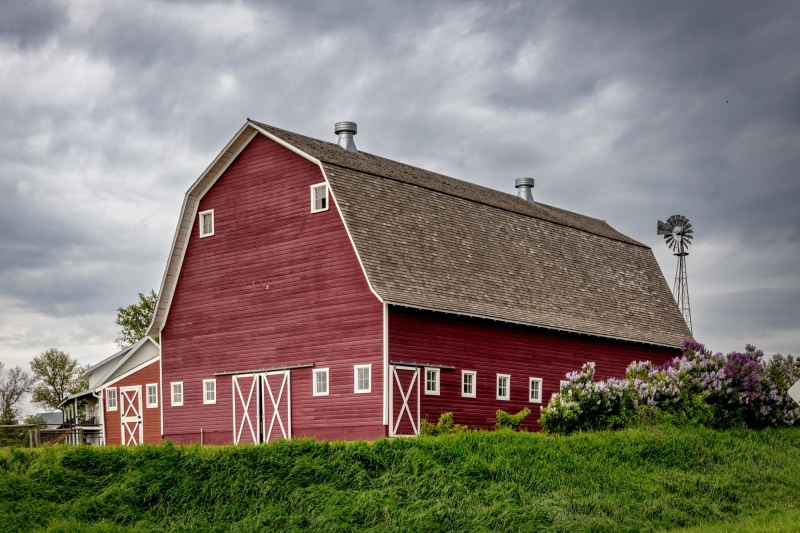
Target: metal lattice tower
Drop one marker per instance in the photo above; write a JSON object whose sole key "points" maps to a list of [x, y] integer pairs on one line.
{"points": [[678, 233]]}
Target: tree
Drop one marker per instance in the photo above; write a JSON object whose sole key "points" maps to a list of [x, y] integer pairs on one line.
{"points": [[57, 375], [135, 319], [13, 386]]}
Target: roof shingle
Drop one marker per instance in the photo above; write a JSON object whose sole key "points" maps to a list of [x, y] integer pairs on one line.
{"points": [[431, 241]]}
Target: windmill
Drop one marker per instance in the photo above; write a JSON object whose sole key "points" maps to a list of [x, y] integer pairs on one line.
{"points": [[677, 231]]}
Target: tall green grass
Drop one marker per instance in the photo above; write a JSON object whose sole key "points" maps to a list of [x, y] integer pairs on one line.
{"points": [[649, 479]]}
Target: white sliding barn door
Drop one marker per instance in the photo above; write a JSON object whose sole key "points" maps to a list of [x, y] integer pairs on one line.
{"points": [[277, 406], [262, 407], [246, 423], [130, 410], [404, 398]]}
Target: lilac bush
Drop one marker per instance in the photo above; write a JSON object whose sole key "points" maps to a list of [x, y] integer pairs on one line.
{"points": [[739, 389]]}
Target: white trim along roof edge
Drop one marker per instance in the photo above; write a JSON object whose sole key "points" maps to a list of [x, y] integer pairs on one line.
{"points": [[189, 209]]}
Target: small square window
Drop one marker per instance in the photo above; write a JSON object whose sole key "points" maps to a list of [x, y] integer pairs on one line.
{"points": [[503, 387], [177, 393], [207, 223], [432, 381], [152, 395], [363, 378], [468, 379], [535, 395], [319, 197], [209, 391], [111, 399], [320, 382]]}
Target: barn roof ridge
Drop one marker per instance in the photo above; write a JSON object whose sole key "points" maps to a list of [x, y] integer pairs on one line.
{"points": [[334, 155]]}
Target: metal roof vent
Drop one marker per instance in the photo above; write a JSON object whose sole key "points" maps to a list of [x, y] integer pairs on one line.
{"points": [[345, 131], [524, 185]]}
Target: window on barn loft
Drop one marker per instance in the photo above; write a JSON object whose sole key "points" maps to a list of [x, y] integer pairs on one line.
{"points": [[209, 391], [111, 399], [363, 378], [503, 387], [319, 197], [177, 393], [320, 382], [206, 219], [432, 381], [468, 379], [535, 391], [152, 395]]}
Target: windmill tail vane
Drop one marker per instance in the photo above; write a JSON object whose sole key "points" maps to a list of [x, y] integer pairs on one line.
{"points": [[678, 234]]}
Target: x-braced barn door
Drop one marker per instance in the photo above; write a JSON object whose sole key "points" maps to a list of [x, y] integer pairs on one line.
{"points": [[130, 410], [404, 400], [262, 407], [277, 406]]}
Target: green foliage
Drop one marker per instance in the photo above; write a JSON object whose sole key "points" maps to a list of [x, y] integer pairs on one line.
{"points": [[57, 376], [647, 480], [507, 421], [785, 522], [444, 426], [14, 385], [135, 319], [35, 419], [739, 389]]}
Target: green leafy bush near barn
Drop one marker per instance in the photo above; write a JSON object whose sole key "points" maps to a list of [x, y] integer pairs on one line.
{"points": [[648, 479]]}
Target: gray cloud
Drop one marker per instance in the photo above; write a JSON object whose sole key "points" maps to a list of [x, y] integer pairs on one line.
{"points": [[626, 111]]}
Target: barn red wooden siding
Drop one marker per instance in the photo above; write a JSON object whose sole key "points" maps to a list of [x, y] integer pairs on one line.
{"points": [[318, 308], [489, 348], [151, 416]]}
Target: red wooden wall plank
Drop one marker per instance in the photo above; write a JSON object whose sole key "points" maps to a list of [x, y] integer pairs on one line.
{"points": [[489, 348], [318, 308], [151, 416]]}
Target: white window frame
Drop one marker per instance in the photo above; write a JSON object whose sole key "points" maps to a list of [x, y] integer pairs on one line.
{"points": [[313, 199], [437, 372], [356, 368], [200, 216], [531, 381], [507, 377], [147, 394], [327, 373], [172, 400], [474, 375], [116, 399], [206, 401]]}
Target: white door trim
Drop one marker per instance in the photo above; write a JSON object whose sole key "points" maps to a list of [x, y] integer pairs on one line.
{"points": [[237, 394], [128, 435], [286, 383], [404, 395]]}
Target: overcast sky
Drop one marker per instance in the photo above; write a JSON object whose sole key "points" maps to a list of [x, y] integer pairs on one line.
{"points": [[625, 111]]}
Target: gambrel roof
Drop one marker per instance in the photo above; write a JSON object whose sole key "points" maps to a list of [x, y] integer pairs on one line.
{"points": [[429, 241]]}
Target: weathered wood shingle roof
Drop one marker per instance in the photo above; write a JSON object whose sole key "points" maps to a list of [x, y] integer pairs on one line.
{"points": [[434, 242]]}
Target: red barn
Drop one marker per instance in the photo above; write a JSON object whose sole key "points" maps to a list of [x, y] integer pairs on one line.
{"points": [[315, 290]]}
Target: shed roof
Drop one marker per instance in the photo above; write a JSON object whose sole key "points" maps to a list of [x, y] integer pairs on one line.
{"points": [[429, 241]]}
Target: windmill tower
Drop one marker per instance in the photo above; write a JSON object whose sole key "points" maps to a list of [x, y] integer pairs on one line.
{"points": [[677, 231]]}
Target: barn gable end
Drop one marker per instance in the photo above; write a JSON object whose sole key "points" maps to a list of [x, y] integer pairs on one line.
{"points": [[275, 286]]}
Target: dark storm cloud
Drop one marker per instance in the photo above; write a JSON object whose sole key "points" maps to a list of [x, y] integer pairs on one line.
{"points": [[30, 22], [627, 111]]}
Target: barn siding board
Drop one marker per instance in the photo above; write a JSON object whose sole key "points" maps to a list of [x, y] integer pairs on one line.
{"points": [[318, 308], [492, 348], [151, 416]]}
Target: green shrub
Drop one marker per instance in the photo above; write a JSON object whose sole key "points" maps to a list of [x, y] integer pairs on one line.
{"points": [[507, 421], [648, 480], [444, 426]]}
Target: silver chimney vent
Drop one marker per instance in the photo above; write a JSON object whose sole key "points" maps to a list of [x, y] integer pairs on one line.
{"points": [[524, 185], [345, 131]]}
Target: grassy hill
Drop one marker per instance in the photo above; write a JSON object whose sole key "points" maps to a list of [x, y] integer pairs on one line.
{"points": [[651, 479]]}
